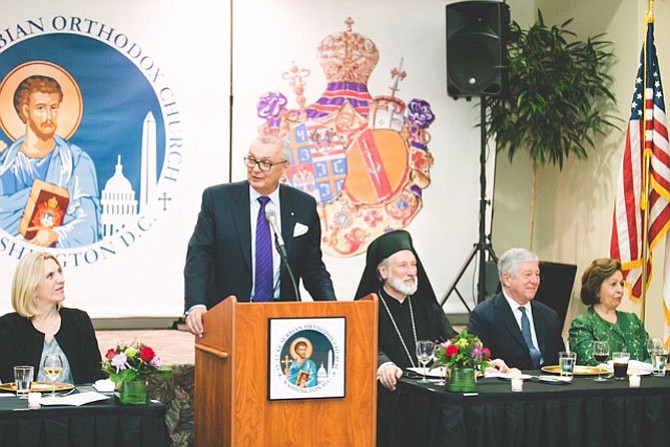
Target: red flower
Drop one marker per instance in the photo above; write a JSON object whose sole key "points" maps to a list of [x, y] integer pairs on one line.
{"points": [[110, 354], [451, 350], [487, 354], [147, 354]]}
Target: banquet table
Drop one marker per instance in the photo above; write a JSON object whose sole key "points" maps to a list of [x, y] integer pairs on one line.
{"points": [[102, 423], [581, 413]]}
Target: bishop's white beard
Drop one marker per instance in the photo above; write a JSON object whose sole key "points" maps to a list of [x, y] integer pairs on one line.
{"points": [[399, 285]]}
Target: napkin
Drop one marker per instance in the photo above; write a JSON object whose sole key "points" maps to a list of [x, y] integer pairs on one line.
{"points": [[74, 399], [555, 379], [104, 386]]}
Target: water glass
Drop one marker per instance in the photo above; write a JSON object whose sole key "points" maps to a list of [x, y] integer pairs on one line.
{"points": [[658, 360], [23, 377], [620, 364], [566, 361]]}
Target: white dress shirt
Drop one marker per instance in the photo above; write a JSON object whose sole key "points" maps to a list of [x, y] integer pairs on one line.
{"points": [[517, 316]]}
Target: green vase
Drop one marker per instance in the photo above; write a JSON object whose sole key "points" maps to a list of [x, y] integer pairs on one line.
{"points": [[462, 380], [134, 392]]}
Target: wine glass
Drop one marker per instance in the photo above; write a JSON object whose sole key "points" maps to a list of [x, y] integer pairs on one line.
{"points": [[436, 352], [601, 350], [53, 366], [424, 352]]}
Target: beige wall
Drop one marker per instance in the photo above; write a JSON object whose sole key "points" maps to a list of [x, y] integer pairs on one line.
{"points": [[574, 211]]}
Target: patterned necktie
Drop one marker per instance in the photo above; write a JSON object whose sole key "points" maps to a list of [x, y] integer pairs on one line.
{"points": [[535, 354], [264, 272]]}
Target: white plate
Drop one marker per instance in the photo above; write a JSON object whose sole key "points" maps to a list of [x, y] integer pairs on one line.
{"points": [[437, 373]]}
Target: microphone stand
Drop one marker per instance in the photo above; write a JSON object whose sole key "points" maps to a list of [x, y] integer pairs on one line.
{"points": [[282, 254]]}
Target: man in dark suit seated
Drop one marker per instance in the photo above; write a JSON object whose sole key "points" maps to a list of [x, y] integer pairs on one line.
{"points": [[525, 333], [231, 250]]}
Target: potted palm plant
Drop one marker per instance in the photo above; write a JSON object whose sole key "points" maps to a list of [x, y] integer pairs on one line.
{"points": [[558, 98]]}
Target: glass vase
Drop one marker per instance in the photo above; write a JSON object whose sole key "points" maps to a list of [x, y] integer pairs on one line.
{"points": [[462, 380], [134, 392]]}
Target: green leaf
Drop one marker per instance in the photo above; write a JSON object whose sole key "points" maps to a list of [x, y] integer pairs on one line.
{"points": [[559, 94]]}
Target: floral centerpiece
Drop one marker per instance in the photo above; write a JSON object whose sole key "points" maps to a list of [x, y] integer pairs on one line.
{"points": [[128, 366], [464, 355]]}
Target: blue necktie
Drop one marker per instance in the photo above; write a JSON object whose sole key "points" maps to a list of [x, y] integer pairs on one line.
{"points": [[264, 273], [535, 354]]}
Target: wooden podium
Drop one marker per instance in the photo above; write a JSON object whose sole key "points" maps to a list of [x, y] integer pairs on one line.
{"points": [[232, 407]]}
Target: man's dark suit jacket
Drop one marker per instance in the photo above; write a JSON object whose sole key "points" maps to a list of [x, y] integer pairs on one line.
{"points": [[494, 323], [218, 260]]}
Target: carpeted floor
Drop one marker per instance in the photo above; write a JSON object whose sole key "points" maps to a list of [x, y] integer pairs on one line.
{"points": [[172, 346]]}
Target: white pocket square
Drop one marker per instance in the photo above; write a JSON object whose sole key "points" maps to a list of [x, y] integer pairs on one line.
{"points": [[299, 229]]}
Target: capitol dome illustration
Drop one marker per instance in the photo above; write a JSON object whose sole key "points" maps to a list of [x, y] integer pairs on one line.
{"points": [[118, 202]]}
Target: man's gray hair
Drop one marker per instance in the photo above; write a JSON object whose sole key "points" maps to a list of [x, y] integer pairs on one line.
{"points": [[384, 262], [274, 139], [510, 260]]}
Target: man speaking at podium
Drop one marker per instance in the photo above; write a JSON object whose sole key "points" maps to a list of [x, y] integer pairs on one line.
{"points": [[231, 251]]}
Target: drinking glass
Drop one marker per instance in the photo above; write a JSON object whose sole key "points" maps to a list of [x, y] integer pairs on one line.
{"points": [[659, 361], [620, 365], [601, 350], [659, 355], [424, 352], [436, 350], [23, 377], [566, 363], [53, 366]]}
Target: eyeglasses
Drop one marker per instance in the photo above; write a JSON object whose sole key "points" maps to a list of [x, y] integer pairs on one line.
{"points": [[263, 165]]}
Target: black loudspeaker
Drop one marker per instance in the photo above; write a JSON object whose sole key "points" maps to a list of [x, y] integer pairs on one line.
{"points": [[556, 281], [476, 48]]}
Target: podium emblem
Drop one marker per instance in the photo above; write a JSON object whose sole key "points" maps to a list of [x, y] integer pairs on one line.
{"points": [[306, 358]]}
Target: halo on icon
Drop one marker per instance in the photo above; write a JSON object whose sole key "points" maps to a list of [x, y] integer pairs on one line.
{"points": [[291, 349], [71, 109]]}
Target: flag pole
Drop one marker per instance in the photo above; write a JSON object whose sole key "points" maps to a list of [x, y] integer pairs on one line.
{"points": [[644, 199]]}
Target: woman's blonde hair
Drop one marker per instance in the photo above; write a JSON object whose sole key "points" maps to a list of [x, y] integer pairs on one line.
{"points": [[27, 277]]}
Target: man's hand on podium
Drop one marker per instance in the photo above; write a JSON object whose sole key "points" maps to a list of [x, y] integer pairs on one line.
{"points": [[194, 321]]}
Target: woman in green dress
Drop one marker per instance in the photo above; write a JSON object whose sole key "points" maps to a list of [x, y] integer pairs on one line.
{"points": [[602, 290]]}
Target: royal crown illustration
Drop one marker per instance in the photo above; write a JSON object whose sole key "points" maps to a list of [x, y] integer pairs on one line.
{"points": [[364, 159]]}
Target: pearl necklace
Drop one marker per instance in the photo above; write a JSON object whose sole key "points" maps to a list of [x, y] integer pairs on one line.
{"points": [[411, 315]]}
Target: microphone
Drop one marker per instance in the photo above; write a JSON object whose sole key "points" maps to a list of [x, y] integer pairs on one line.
{"points": [[271, 217]]}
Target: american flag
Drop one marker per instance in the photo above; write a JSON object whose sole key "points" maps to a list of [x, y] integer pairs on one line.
{"points": [[632, 195]]}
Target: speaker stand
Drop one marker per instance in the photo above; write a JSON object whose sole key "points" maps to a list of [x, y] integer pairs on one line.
{"points": [[483, 245]]}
